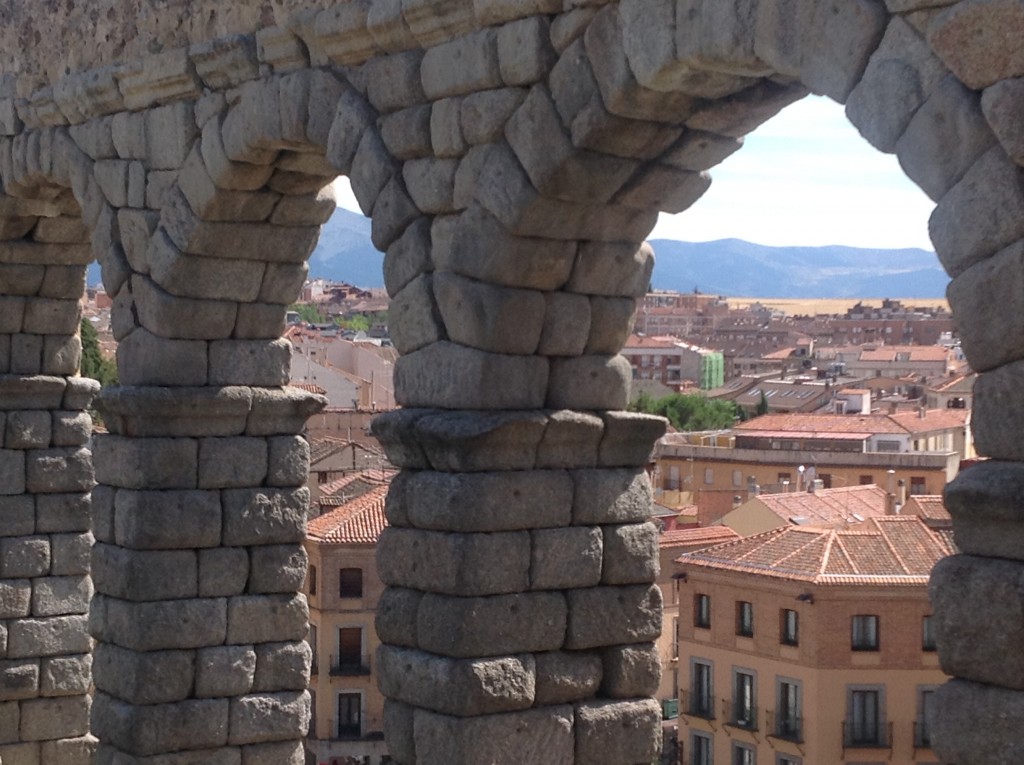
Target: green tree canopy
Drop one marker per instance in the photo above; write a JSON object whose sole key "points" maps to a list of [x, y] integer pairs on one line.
{"points": [[94, 365], [690, 412]]}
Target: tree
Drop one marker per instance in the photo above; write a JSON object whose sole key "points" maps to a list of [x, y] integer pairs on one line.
{"points": [[309, 313], [94, 364], [762, 405], [690, 412]]}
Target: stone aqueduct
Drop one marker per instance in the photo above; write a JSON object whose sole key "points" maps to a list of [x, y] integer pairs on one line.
{"points": [[513, 155]]}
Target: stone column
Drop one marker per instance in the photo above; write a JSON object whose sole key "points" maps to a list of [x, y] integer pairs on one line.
{"points": [[521, 609], [45, 477]]}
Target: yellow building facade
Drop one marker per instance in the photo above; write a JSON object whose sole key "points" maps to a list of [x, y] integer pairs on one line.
{"points": [[343, 590], [809, 647]]}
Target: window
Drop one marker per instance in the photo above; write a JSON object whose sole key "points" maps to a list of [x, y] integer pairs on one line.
{"points": [[863, 719], [744, 707], [925, 707], [927, 634], [350, 653], [743, 755], [783, 477], [917, 485], [349, 715], [350, 583], [864, 633], [312, 580], [866, 480], [788, 722], [744, 618], [700, 749], [788, 759], [312, 640], [311, 728], [702, 611], [789, 628], [737, 478], [709, 476], [702, 699]]}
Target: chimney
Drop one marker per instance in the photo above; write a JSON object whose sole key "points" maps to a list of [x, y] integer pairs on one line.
{"points": [[901, 492], [893, 407], [890, 503], [922, 413]]}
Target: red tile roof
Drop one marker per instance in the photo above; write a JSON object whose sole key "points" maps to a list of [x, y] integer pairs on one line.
{"points": [[860, 425], [704, 537], [933, 419], [887, 550], [309, 388], [827, 508], [927, 506], [358, 522]]}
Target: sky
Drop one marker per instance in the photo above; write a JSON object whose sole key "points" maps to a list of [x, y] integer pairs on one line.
{"points": [[804, 178]]}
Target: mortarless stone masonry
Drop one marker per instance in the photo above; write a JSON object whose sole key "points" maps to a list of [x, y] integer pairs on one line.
{"points": [[512, 155]]}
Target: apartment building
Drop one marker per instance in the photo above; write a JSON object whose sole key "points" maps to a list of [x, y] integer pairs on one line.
{"points": [[673, 363], [343, 588], [804, 646]]}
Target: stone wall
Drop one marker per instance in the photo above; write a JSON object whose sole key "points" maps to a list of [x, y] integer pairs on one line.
{"points": [[512, 155]]}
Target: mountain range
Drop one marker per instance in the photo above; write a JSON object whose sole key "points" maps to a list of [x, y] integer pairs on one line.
{"points": [[725, 267]]}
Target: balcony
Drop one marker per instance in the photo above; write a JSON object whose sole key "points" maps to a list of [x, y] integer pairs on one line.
{"points": [[352, 731], [696, 705], [350, 665], [785, 727], [867, 736], [740, 715]]}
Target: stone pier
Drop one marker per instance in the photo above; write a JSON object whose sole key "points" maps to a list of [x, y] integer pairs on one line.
{"points": [[513, 155]]}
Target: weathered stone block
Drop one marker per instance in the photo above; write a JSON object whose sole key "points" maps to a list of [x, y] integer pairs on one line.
{"points": [[630, 554], [500, 501], [972, 39], [223, 571], [159, 625], [502, 624], [266, 618], [453, 376], [71, 428], [508, 260], [455, 564], [464, 65], [282, 666], [533, 737], [461, 687], [406, 134], [629, 438], [47, 719], [563, 559], [224, 671], [612, 269], [277, 568], [413, 317], [70, 554], [51, 636], [145, 359], [589, 382], [566, 676], [17, 515], [146, 677], [991, 198], [24, 557], [1003, 106], [837, 52], [570, 440], [525, 54], [264, 516], [61, 595], [606, 616], [631, 671], [17, 598], [65, 675], [268, 717], [618, 731], [961, 588], [145, 575], [288, 461], [494, 319], [144, 730], [228, 463], [566, 325], [250, 362], [483, 115], [395, 616], [167, 520], [19, 679], [901, 75], [146, 463]]}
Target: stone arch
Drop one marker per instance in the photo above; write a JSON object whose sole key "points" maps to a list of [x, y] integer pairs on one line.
{"points": [[513, 156]]}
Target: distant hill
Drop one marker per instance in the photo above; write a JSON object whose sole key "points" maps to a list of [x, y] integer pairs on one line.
{"points": [[726, 267]]}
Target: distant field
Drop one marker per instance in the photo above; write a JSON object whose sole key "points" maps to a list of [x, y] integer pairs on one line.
{"points": [[814, 306]]}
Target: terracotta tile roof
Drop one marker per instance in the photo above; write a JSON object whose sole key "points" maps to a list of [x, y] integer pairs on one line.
{"points": [[324, 447], [827, 508], [638, 342], [357, 522], [927, 506], [888, 550], [342, 490], [309, 388], [934, 419], [703, 537]]}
